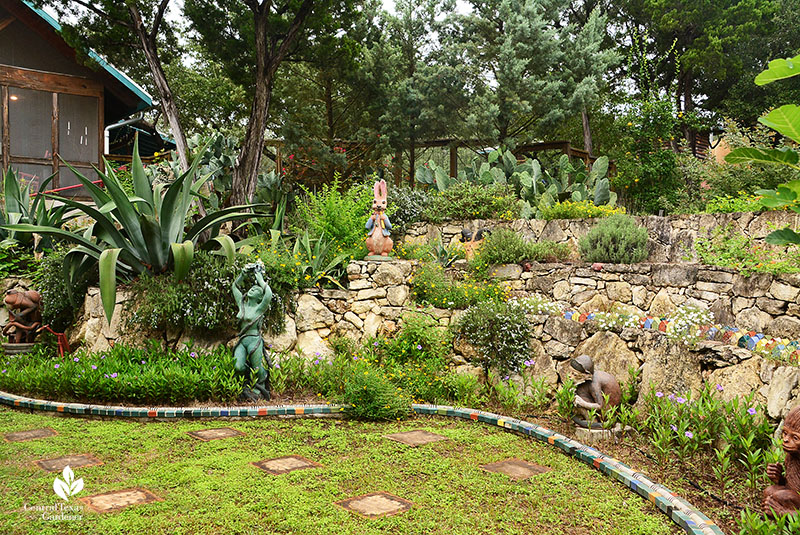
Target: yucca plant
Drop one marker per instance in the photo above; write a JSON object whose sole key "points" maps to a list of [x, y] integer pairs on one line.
{"points": [[144, 233]]}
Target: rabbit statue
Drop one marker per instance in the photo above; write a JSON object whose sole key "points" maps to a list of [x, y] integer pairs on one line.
{"points": [[378, 225]]}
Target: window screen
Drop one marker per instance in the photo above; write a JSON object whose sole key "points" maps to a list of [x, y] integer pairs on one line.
{"points": [[67, 178], [77, 128], [30, 118], [33, 174]]}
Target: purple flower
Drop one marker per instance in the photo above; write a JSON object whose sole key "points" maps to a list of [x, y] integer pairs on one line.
{"points": [[375, 343], [419, 346], [528, 363], [673, 427], [719, 388], [317, 354], [105, 375], [142, 362], [277, 366], [689, 434], [659, 394], [505, 378], [4, 371], [102, 356], [214, 368], [113, 375], [671, 397], [76, 359], [94, 367], [680, 400], [316, 362], [57, 366], [751, 411], [193, 355], [355, 358]]}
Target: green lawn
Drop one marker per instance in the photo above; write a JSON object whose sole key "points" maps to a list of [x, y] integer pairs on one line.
{"points": [[211, 487]]}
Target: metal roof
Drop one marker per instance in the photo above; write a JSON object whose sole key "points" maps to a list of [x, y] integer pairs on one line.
{"points": [[145, 100]]}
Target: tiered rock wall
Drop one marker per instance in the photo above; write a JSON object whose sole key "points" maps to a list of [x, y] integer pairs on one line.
{"points": [[671, 237]]}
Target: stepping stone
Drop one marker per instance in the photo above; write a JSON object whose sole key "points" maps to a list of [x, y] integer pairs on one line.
{"points": [[73, 461], [375, 505], [284, 465], [415, 438], [213, 434], [118, 499], [516, 469], [22, 436]]}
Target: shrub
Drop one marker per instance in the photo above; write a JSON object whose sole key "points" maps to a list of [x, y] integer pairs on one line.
{"points": [[371, 396], [579, 210], [124, 374], [16, 261], [408, 207], [500, 331], [60, 298], [617, 239], [727, 247], [202, 301], [339, 216], [471, 201], [504, 246], [420, 339], [725, 204], [431, 285]]}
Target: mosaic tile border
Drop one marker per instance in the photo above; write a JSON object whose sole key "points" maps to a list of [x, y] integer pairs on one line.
{"points": [[676, 508]]}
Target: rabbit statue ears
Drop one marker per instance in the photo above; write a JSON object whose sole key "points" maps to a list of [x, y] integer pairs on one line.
{"points": [[380, 190]]}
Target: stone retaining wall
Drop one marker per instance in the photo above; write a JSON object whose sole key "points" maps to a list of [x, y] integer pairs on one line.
{"points": [[671, 237]]}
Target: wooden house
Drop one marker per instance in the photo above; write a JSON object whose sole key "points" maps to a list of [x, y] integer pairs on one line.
{"points": [[53, 109]]}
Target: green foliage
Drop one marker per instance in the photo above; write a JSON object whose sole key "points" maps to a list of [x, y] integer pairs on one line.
{"points": [[565, 399], [617, 239], [505, 246], [60, 296], [420, 339], [15, 261], [499, 331], [409, 207], [725, 204], [579, 210], [469, 201], [124, 374], [135, 235], [753, 523], [431, 285], [371, 396], [20, 208], [464, 389], [728, 247], [201, 302], [339, 216]]}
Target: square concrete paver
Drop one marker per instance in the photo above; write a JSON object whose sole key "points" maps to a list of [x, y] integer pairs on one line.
{"points": [[415, 438], [118, 499], [376, 504], [214, 434], [73, 461], [516, 469], [32, 434], [284, 465]]}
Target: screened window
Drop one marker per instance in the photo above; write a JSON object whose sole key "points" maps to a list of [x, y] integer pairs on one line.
{"points": [[30, 120]]}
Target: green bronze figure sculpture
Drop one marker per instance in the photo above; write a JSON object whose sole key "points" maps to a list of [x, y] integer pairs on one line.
{"points": [[248, 354]]}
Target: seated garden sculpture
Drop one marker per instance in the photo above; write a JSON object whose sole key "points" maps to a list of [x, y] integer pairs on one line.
{"points": [[249, 352], [598, 391], [783, 497], [25, 318], [378, 225]]}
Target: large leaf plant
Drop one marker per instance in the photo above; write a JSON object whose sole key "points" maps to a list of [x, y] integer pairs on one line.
{"points": [[786, 121], [142, 233]]}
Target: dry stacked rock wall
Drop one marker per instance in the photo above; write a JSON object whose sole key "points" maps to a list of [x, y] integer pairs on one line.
{"points": [[671, 237]]}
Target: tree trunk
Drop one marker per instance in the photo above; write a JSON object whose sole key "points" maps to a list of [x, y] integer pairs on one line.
{"points": [[164, 92], [269, 54], [587, 131], [688, 106], [329, 117]]}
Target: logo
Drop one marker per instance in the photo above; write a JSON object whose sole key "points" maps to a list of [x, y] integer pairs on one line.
{"points": [[69, 486]]}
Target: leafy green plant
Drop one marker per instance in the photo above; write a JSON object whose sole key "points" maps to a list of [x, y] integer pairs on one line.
{"points": [[58, 293], [499, 331], [464, 389], [371, 396], [617, 239], [504, 246], [420, 339], [432, 285], [754, 523], [409, 207], [565, 399], [505, 392], [21, 208], [471, 201], [727, 247], [582, 209], [16, 261], [135, 235], [725, 204]]}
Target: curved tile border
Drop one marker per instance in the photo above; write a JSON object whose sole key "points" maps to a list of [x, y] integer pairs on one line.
{"points": [[679, 510]]}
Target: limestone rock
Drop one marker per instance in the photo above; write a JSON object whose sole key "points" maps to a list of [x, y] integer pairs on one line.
{"points": [[544, 367], [662, 304], [388, 274], [557, 350], [462, 347], [552, 232], [783, 291], [753, 319], [619, 291], [756, 285], [598, 303], [355, 320], [668, 366], [311, 345], [346, 329], [674, 275], [561, 290], [373, 293], [609, 353], [784, 327], [563, 330], [397, 295], [372, 324], [284, 341], [738, 381], [507, 271], [468, 369], [312, 314], [778, 391]]}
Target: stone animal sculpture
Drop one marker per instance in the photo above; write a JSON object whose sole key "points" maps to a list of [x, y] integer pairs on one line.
{"points": [[378, 225], [249, 353], [25, 318], [783, 497], [598, 390]]}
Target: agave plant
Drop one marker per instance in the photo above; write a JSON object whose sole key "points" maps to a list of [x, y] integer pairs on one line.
{"points": [[144, 233], [19, 208]]}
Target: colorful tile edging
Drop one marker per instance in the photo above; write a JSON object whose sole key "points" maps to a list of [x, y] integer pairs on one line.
{"points": [[722, 333], [679, 510]]}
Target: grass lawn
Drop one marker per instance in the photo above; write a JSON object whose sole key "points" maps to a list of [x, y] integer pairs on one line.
{"points": [[211, 487]]}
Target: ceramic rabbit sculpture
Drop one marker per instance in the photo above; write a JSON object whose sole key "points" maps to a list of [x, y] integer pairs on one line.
{"points": [[378, 225]]}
